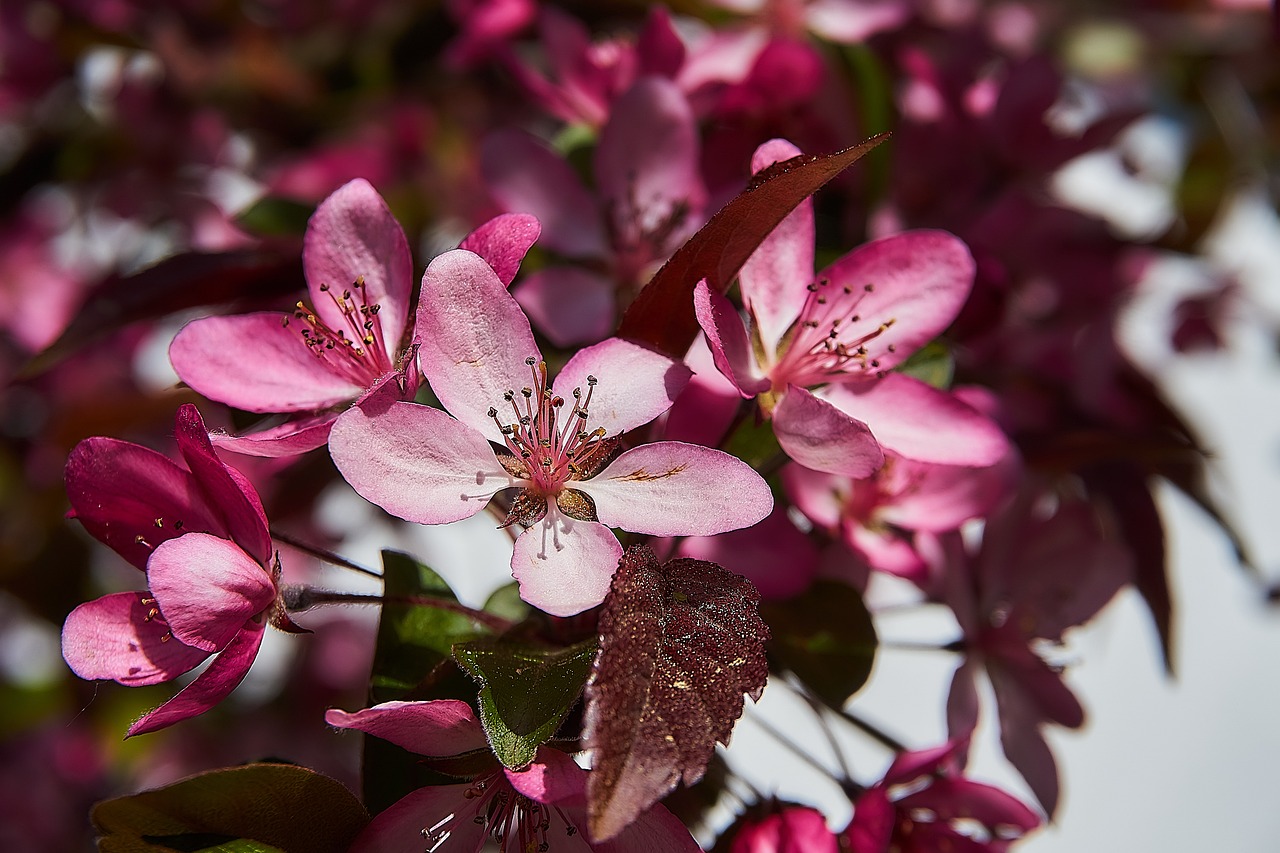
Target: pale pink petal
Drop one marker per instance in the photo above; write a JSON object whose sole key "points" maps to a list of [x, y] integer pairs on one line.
{"points": [[207, 588], [353, 234], [818, 435], [503, 242], [253, 362], [290, 438], [552, 779], [646, 162], [634, 384], [524, 176], [440, 728], [443, 809], [886, 550], [565, 566], [819, 495], [474, 339], [211, 686], [724, 56], [774, 555], [569, 305], [926, 496], [775, 279], [918, 421], [416, 462], [118, 490], [914, 282], [226, 488], [727, 338], [117, 637], [670, 488], [850, 21]]}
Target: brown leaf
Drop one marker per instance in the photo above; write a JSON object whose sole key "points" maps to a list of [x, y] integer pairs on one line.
{"points": [[662, 315], [680, 643]]}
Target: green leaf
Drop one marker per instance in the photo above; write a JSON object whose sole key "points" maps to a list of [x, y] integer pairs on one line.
{"points": [[414, 642], [275, 217], [525, 693], [505, 601], [258, 808], [932, 363], [754, 443], [825, 637]]}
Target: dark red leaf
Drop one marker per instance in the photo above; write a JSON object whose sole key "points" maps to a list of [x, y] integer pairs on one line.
{"points": [[662, 315], [680, 643], [174, 284]]}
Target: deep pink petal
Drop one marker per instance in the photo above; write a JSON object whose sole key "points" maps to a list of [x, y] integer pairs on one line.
{"points": [[925, 496], [117, 637], [474, 338], [290, 438], [820, 436], [253, 362], [225, 488], [962, 702], [440, 728], [706, 409], [887, 550], [118, 490], [207, 588], [565, 566], [871, 829], [952, 798], [552, 779], [646, 162], [659, 49], [524, 176], [634, 385], [817, 494], [503, 242], [353, 234], [921, 422], [914, 282], [569, 305], [775, 279], [444, 807], [211, 686], [790, 829], [774, 555], [416, 462], [1024, 701], [727, 338], [910, 766], [670, 488], [655, 831]]}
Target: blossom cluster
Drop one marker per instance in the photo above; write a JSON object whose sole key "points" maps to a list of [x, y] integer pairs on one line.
{"points": [[644, 292]]}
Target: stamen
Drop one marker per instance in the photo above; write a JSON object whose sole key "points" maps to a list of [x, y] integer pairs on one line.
{"points": [[355, 350]]}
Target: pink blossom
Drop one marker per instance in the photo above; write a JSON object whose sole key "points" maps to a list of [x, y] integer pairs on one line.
{"points": [[784, 829], [540, 807], [846, 21], [557, 442], [842, 332], [202, 538], [923, 805]]}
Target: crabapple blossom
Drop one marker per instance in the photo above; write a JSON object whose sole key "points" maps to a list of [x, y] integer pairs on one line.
{"points": [[213, 579], [558, 442]]}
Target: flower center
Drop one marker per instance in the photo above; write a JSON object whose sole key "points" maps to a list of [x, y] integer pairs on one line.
{"points": [[551, 450], [356, 349], [512, 820], [830, 339]]}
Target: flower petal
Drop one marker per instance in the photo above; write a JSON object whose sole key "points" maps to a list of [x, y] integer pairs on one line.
{"points": [[569, 305], [916, 282], [524, 176], [253, 362], [921, 422], [820, 436], [503, 242], [443, 809], [225, 487], [670, 488], [850, 21], [290, 438], [117, 637], [552, 779], [727, 338], [565, 566], [774, 555], [775, 279], [119, 490], [635, 384], [475, 339], [353, 234], [207, 588], [416, 462], [439, 728], [211, 686]]}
